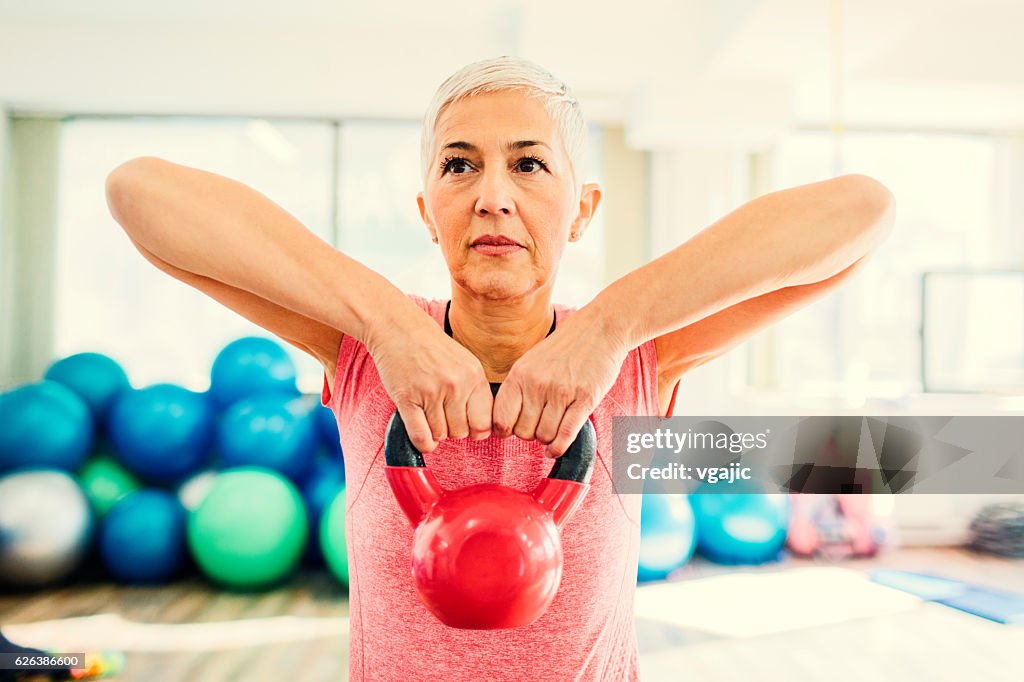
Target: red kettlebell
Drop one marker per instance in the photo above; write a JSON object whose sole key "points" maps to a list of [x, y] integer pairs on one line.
{"points": [[486, 556]]}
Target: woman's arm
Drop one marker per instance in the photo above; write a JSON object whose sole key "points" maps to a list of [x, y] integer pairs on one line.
{"points": [[311, 337], [760, 262], [238, 247], [218, 229]]}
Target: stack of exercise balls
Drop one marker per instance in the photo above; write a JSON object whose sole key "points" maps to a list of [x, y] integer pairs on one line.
{"points": [[243, 481], [740, 525]]}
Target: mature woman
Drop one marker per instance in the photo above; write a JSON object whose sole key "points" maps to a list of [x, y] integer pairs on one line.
{"points": [[502, 197]]}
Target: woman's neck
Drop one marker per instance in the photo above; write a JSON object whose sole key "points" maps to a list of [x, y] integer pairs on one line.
{"points": [[499, 333]]}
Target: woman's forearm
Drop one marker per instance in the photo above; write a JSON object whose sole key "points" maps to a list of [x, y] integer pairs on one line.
{"points": [[221, 229], [796, 236]]}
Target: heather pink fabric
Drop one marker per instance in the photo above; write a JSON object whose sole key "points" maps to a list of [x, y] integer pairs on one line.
{"points": [[586, 634]]}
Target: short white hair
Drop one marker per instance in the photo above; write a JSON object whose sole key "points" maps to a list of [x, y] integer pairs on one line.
{"points": [[511, 73]]}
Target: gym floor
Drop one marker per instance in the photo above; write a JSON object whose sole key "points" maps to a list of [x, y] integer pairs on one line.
{"points": [[922, 641]]}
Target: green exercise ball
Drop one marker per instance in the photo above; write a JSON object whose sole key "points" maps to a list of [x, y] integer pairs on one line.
{"points": [[332, 537], [250, 530], [105, 482]]}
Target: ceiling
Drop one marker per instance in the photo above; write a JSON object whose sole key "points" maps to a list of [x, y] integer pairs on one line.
{"points": [[672, 72]]}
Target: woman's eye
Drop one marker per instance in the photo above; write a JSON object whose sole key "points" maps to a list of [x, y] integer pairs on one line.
{"points": [[456, 166], [529, 165]]}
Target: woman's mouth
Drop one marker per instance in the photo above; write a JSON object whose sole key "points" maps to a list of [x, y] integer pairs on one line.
{"points": [[495, 245]]}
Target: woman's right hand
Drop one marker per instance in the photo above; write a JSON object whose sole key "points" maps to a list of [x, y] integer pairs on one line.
{"points": [[438, 386]]}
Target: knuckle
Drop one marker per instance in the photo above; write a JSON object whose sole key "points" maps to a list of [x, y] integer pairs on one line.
{"points": [[564, 394], [523, 432]]}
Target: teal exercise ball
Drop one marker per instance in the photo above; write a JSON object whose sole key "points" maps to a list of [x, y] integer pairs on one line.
{"points": [[332, 537], [250, 366], [741, 527], [250, 530], [319, 490], [96, 378], [44, 424], [667, 535]]}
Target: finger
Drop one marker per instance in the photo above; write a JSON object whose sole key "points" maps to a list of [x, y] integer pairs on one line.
{"points": [[550, 418], [506, 409], [478, 410], [417, 427], [529, 415], [455, 416], [572, 421], [438, 424]]}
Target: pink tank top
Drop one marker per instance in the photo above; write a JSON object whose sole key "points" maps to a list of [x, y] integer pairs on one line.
{"points": [[586, 634]]}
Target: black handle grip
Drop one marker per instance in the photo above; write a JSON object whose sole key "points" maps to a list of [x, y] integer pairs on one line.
{"points": [[576, 464]]}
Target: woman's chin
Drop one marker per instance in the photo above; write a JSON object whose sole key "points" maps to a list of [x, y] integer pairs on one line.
{"points": [[496, 287]]}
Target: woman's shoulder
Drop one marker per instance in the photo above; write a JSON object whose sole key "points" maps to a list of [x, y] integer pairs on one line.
{"points": [[434, 307]]}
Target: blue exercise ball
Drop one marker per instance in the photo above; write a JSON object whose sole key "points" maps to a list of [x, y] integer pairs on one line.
{"points": [[319, 490], [142, 539], [321, 486], [741, 527], [667, 535], [44, 424], [272, 431], [162, 433], [96, 378], [250, 366], [328, 425]]}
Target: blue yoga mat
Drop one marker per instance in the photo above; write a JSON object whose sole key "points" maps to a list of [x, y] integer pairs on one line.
{"points": [[996, 605]]}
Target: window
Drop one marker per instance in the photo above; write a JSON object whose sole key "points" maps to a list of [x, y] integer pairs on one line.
{"points": [[864, 338], [109, 299]]}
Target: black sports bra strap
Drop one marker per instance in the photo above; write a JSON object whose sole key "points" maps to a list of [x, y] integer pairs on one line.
{"points": [[448, 325]]}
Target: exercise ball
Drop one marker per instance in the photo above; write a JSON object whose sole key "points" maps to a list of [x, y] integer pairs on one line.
{"points": [[106, 482], [328, 425], [194, 490], [162, 433], [740, 527], [142, 539], [318, 490], [44, 424], [46, 526], [332, 537], [250, 530], [250, 366], [322, 486], [272, 431], [667, 535], [96, 378]]}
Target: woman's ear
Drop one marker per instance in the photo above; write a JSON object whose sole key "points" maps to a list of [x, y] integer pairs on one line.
{"points": [[425, 215], [590, 197]]}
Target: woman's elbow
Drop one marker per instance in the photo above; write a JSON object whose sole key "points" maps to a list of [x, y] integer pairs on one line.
{"points": [[873, 204], [124, 183]]}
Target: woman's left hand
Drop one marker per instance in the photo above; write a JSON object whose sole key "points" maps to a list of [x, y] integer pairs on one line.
{"points": [[556, 385]]}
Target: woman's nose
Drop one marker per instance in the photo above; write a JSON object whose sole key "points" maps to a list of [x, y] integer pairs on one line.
{"points": [[495, 195]]}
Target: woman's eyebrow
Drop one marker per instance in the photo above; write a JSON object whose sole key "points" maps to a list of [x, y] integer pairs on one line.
{"points": [[510, 146]]}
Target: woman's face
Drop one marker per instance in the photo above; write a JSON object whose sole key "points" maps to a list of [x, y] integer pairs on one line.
{"points": [[500, 198]]}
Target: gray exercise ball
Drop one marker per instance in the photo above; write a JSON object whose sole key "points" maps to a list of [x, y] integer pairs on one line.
{"points": [[46, 525]]}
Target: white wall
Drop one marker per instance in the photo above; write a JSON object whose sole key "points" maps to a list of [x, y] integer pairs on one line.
{"points": [[6, 243]]}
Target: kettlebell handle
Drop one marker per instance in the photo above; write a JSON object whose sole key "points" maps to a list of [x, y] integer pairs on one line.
{"points": [[576, 464]]}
